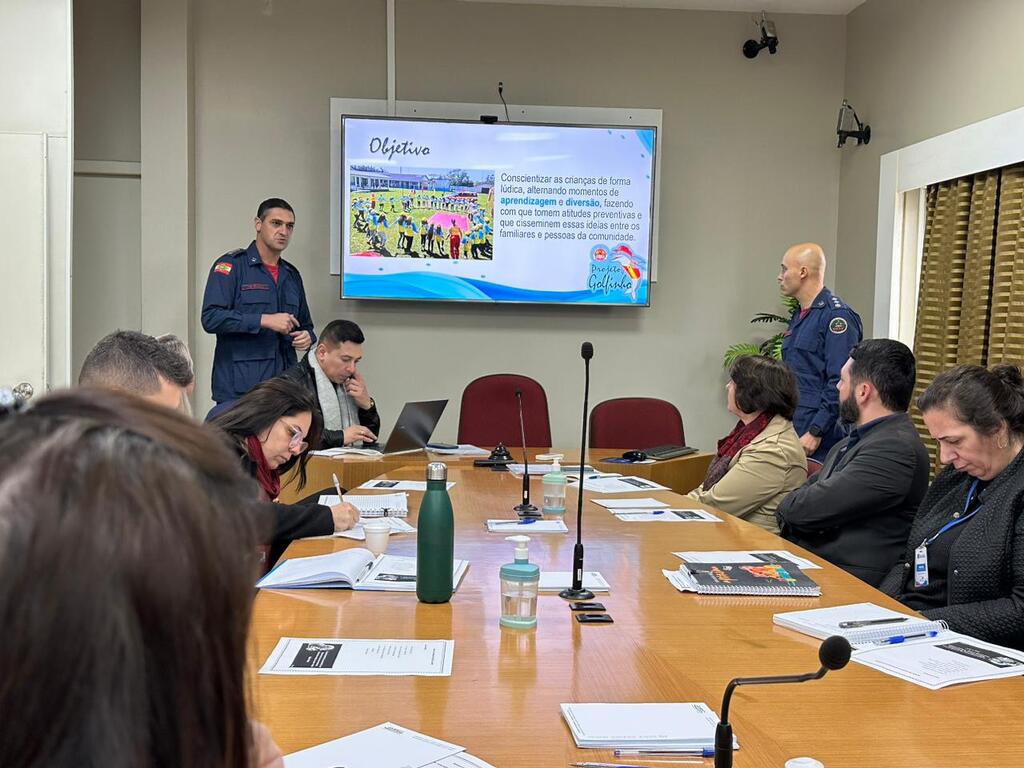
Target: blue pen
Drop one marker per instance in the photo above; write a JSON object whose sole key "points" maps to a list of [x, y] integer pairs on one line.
{"points": [[895, 639], [526, 521]]}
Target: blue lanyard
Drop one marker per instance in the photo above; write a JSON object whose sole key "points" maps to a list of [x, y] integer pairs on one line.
{"points": [[959, 520]]}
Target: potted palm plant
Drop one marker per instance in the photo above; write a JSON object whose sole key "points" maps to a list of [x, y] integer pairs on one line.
{"points": [[770, 347]]}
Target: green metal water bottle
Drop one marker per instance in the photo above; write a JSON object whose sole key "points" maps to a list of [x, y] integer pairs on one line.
{"points": [[435, 539]]}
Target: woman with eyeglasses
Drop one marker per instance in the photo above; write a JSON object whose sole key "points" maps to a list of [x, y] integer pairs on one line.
{"points": [[272, 427]]}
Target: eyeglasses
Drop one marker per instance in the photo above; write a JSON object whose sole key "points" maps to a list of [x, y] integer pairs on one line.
{"points": [[297, 444]]}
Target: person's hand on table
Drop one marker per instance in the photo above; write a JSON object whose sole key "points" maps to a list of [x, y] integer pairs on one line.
{"points": [[265, 753], [359, 432]]}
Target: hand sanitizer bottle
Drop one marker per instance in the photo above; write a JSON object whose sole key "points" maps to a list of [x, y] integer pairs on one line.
{"points": [[519, 582], [554, 493]]}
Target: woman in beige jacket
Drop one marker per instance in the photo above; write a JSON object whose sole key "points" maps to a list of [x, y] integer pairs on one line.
{"points": [[761, 460]]}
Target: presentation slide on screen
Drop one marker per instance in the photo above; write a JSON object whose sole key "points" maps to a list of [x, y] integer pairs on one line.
{"points": [[463, 211]]}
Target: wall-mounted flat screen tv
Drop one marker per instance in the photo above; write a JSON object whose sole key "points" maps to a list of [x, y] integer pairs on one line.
{"points": [[446, 210]]}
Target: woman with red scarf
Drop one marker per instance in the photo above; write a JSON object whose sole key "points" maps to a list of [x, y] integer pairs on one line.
{"points": [[761, 460], [272, 427]]}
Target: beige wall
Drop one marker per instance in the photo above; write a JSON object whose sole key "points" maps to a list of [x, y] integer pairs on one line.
{"points": [[916, 69], [748, 167], [107, 67], [105, 288]]}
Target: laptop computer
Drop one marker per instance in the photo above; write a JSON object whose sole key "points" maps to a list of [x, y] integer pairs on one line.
{"points": [[416, 424]]}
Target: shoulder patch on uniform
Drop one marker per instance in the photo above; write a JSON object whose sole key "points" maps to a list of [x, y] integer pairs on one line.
{"points": [[223, 267], [838, 325]]}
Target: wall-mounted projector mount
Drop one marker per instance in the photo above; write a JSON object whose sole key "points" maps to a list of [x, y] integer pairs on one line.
{"points": [[849, 126], [768, 40]]}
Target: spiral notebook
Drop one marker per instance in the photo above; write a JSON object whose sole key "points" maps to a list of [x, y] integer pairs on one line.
{"points": [[863, 624], [743, 579], [912, 648], [370, 505]]}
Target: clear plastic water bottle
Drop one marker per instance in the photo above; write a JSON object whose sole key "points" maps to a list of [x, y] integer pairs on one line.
{"points": [[519, 582], [554, 483]]}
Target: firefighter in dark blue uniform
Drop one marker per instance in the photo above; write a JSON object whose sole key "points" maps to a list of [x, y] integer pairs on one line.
{"points": [[816, 347], [256, 304]]}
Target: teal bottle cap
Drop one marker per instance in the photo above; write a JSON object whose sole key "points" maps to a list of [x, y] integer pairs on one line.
{"points": [[520, 572]]}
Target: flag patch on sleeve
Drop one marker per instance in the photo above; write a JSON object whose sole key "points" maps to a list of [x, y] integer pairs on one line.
{"points": [[223, 267]]}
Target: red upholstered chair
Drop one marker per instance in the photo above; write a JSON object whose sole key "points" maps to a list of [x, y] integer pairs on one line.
{"points": [[635, 422], [489, 414]]}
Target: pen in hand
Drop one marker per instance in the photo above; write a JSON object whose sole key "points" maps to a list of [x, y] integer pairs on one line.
{"points": [[337, 487]]}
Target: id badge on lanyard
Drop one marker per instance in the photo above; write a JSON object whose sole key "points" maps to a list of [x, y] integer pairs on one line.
{"points": [[921, 566], [921, 553]]}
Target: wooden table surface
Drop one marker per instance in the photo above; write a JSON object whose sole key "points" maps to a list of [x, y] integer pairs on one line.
{"points": [[502, 699], [682, 474]]}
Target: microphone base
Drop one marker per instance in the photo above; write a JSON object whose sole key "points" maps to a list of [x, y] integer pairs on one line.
{"points": [[723, 745], [526, 510], [576, 594]]}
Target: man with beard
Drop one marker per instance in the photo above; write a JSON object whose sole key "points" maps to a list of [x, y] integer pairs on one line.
{"points": [[856, 512]]}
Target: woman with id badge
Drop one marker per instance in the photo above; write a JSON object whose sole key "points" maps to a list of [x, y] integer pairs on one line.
{"points": [[964, 560]]}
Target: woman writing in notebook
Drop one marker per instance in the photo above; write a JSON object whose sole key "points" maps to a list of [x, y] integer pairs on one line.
{"points": [[127, 562], [964, 560], [272, 427], [761, 460]]}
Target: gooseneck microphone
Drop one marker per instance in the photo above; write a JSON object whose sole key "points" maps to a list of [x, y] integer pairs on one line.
{"points": [[526, 509], [576, 591], [834, 653]]}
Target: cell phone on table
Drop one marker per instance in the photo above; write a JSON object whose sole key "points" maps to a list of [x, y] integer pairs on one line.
{"points": [[593, 618], [586, 606]]}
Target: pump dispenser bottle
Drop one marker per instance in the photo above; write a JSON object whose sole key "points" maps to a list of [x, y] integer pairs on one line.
{"points": [[519, 582]]}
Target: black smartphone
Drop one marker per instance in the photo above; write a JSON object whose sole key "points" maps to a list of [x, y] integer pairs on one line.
{"points": [[586, 606], [593, 618]]}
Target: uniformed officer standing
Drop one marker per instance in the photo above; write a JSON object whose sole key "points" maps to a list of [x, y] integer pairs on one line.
{"points": [[256, 305], [816, 347]]}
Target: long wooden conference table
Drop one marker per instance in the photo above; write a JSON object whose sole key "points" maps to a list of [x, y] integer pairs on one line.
{"points": [[502, 700]]}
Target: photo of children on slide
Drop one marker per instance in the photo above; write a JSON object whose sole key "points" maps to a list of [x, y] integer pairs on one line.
{"points": [[421, 213]]}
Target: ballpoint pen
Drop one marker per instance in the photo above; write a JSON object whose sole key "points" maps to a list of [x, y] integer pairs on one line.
{"points": [[527, 521], [694, 752], [694, 761], [337, 486], [895, 639], [644, 512], [871, 622]]}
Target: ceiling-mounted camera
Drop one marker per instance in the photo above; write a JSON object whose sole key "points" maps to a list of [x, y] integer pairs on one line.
{"points": [[769, 39]]}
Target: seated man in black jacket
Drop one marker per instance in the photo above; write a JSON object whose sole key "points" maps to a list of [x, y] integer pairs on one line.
{"points": [[329, 371], [857, 510]]}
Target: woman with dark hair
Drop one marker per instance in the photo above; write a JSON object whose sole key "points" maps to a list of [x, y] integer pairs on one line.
{"points": [[272, 426], [964, 560], [127, 561], [761, 460]]}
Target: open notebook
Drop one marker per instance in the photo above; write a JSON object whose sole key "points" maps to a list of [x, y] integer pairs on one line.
{"points": [[355, 568], [906, 646]]}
